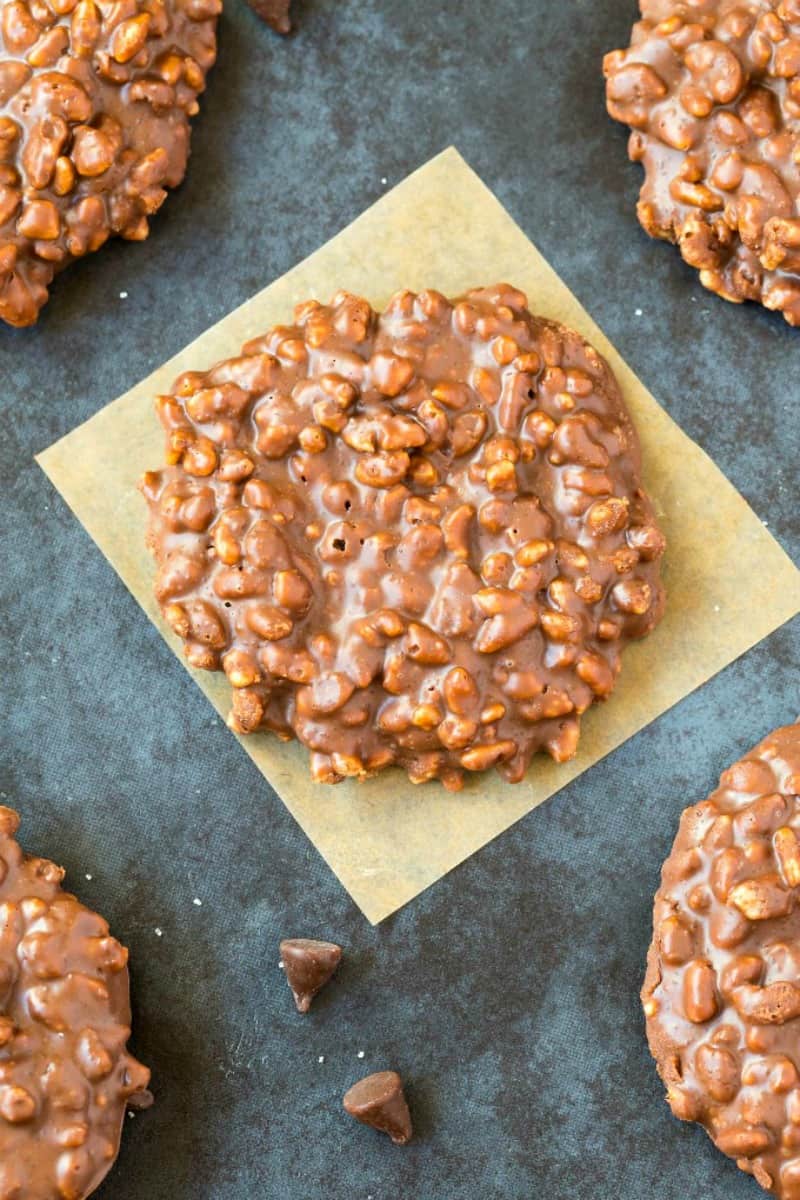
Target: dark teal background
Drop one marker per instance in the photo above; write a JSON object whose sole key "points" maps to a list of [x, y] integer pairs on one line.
{"points": [[507, 995]]}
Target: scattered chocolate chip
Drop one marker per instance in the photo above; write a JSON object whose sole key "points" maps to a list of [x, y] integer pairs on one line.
{"points": [[308, 966], [379, 1101], [711, 92], [274, 12]]}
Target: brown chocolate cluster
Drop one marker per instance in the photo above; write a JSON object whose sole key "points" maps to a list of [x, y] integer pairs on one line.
{"points": [[417, 537], [711, 90], [65, 1075], [95, 101], [722, 992]]}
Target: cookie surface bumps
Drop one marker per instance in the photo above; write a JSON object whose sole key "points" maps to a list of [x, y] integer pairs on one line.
{"points": [[416, 537], [722, 990], [65, 1074], [711, 91], [95, 101]]}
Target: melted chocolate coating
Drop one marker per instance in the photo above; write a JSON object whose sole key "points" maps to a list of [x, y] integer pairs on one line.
{"points": [[65, 1075], [418, 537], [722, 991], [711, 90], [95, 101]]}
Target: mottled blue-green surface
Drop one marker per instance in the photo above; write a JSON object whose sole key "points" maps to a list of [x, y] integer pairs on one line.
{"points": [[507, 994]]}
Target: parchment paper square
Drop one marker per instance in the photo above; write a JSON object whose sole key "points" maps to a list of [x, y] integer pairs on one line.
{"points": [[729, 582]]}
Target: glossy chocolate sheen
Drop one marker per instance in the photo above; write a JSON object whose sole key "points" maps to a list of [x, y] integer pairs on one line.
{"points": [[418, 537], [722, 992], [65, 1075], [95, 101], [711, 90]]}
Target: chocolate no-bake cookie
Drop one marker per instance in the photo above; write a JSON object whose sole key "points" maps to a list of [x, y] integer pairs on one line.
{"points": [[711, 90], [95, 101], [65, 1075], [418, 537], [722, 991]]}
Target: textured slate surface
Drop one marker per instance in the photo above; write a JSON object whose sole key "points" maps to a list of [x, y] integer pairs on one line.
{"points": [[507, 994]]}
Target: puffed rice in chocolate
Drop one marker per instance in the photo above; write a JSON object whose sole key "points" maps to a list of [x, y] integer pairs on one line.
{"points": [[308, 964], [722, 991], [95, 101], [711, 91], [416, 537], [66, 1077]]}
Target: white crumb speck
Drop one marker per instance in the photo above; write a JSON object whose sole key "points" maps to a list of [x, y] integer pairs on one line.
{"points": [[131, 1114], [197, 901], [384, 180], [280, 963], [158, 932], [360, 1054], [123, 295], [638, 312], [321, 1058], [89, 878]]}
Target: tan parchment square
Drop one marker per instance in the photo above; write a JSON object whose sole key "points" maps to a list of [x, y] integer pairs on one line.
{"points": [[729, 582]]}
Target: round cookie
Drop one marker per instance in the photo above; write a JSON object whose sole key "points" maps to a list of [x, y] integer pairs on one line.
{"points": [[418, 537], [722, 990], [95, 101], [65, 1075], [711, 91]]}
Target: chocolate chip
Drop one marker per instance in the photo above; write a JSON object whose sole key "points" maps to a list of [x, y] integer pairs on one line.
{"points": [[379, 1101], [274, 12], [308, 966], [406, 559]]}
